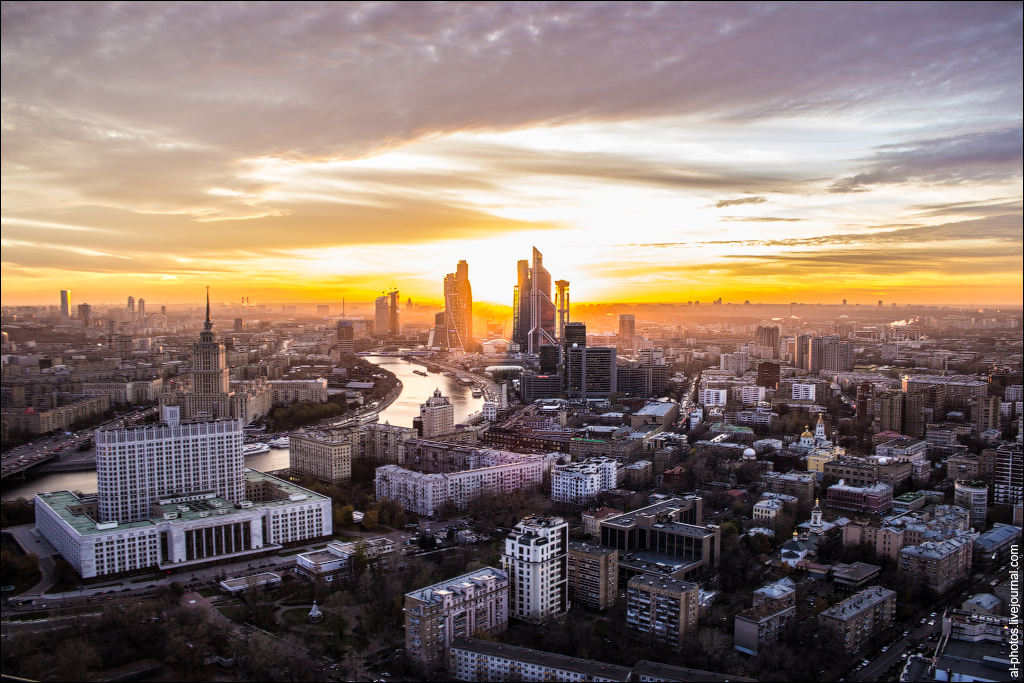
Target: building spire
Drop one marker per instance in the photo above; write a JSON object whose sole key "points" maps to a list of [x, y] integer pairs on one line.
{"points": [[208, 324]]}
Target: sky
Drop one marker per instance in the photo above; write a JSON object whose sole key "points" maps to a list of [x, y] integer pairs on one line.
{"points": [[654, 152]]}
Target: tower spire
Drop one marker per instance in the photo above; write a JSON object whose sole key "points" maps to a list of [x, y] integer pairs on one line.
{"points": [[208, 324]]}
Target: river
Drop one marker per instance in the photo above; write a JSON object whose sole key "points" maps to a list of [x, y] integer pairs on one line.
{"points": [[415, 390]]}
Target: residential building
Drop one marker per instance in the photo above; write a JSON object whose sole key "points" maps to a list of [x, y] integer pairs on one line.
{"points": [[759, 626], [800, 485], [470, 659], [781, 592], [985, 413], [994, 547], [385, 442], [941, 566], [973, 496], [285, 392], [1008, 479], [536, 559], [324, 455], [578, 483], [593, 575], [857, 620], [640, 474], [664, 610], [425, 494], [437, 615], [437, 416]]}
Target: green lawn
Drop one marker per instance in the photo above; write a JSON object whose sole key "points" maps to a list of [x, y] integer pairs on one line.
{"points": [[148, 579], [234, 612], [209, 592]]}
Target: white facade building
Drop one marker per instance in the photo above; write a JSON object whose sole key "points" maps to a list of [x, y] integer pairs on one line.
{"points": [[135, 466], [578, 483], [803, 392], [714, 397], [183, 530], [437, 416], [490, 411], [752, 395], [424, 494], [535, 557]]}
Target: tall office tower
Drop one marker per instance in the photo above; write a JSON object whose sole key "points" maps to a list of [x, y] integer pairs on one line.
{"points": [[563, 306], [575, 333], [381, 316], [163, 310], [131, 304], [890, 412], [548, 360], [85, 315], [437, 416], [535, 557], [210, 395], [768, 374], [768, 336], [458, 308], [393, 328], [142, 308], [803, 343], [346, 337], [137, 466], [65, 304], [627, 330], [439, 334], [239, 325], [533, 311], [1008, 482], [590, 372]]}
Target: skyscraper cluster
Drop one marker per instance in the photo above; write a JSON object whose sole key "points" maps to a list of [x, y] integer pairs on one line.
{"points": [[533, 311], [458, 308]]}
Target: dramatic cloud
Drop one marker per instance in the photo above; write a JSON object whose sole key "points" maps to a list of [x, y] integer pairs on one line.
{"points": [[992, 157], [286, 141]]}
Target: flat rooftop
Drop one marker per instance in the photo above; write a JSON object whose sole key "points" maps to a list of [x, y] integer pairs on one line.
{"points": [[587, 667]]}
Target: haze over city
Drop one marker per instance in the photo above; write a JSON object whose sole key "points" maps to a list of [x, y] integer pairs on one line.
{"points": [[657, 152]]}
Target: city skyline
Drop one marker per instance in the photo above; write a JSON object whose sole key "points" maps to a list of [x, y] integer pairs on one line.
{"points": [[808, 153]]}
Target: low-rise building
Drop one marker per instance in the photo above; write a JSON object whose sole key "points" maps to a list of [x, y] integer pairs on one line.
{"points": [[592, 520], [437, 615], [782, 591], [288, 391], [874, 499], [425, 494], [470, 659], [858, 619], [593, 575], [336, 560], [993, 547]]}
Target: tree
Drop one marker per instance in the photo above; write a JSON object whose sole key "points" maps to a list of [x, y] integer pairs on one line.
{"points": [[370, 520], [359, 559], [177, 589], [333, 609]]}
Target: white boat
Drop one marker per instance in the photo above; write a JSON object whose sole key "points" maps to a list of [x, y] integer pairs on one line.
{"points": [[281, 442], [477, 393], [255, 449]]}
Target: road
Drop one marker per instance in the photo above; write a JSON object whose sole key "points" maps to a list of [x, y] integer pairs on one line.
{"points": [[879, 666]]}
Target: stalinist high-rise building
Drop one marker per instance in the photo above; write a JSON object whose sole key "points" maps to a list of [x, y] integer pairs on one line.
{"points": [[210, 394], [458, 308]]}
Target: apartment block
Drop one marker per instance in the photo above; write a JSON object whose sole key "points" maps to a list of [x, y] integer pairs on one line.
{"points": [[593, 575], [536, 560], [941, 566], [578, 483], [470, 659], [759, 626], [857, 620], [797, 484], [875, 499], [425, 494], [437, 615], [662, 609], [325, 455], [1008, 478]]}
